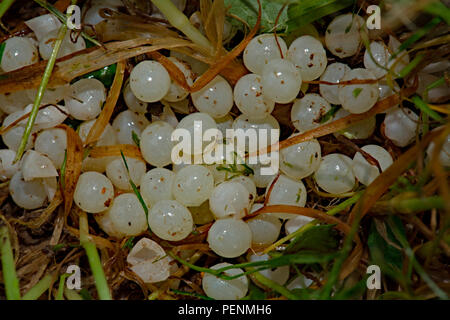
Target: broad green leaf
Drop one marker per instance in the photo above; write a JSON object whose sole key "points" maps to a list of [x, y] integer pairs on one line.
{"points": [[307, 11], [320, 239], [247, 10]]}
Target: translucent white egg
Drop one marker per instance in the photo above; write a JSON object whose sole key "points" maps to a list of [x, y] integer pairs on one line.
{"points": [[220, 289], [342, 36], [105, 223], [286, 191], [224, 123], [309, 56], [358, 98], [197, 66], [149, 261], [19, 52], [333, 73], [402, 60], [366, 172], [7, 166], [281, 81], [52, 143], [360, 130], [127, 215], [249, 98], [376, 60], [229, 199], [170, 220], [42, 25], [248, 183], [47, 43], [13, 136], [261, 180], [133, 103], [27, 194], [92, 15], [385, 91], [335, 174], [307, 112], [47, 117], [229, 238], [279, 275], [36, 165], [13, 102], [296, 223], [156, 144], [149, 81], [107, 138], [94, 192], [193, 185], [265, 228], [299, 282], [120, 178], [156, 185], [400, 126], [51, 95], [261, 50], [86, 99], [300, 160], [196, 125], [215, 99], [126, 122], [177, 93]]}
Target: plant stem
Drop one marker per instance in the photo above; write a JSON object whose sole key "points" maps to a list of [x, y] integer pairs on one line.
{"points": [[407, 206], [8, 266], [340, 207], [72, 294], [94, 259], [40, 93], [178, 20], [62, 280], [274, 286], [4, 6], [35, 292]]}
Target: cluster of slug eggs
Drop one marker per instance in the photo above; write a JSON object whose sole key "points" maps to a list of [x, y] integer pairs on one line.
{"points": [[180, 196]]}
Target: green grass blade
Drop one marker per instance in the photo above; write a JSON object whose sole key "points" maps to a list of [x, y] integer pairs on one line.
{"points": [[423, 106], [4, 6], [40, 93], [8, 266]]}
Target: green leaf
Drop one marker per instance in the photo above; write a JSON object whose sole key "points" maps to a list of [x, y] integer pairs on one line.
{"points": [[353, 292], [128, 244], [384, 254], [320, 239], [2, 49], [135, 138], [439, 9], [307, 11], [330, 114], [423, 106], [84, 293], [356, 92], [247, 10], [255, 293], [105, 75]]}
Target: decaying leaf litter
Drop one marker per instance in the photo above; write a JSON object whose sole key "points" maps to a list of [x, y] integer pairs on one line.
{"points": [[399, 221]]}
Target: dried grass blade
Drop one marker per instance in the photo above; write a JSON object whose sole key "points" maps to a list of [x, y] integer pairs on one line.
{"points": [[129, 150], [103, 119], [73, 166], [219, 66]]}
